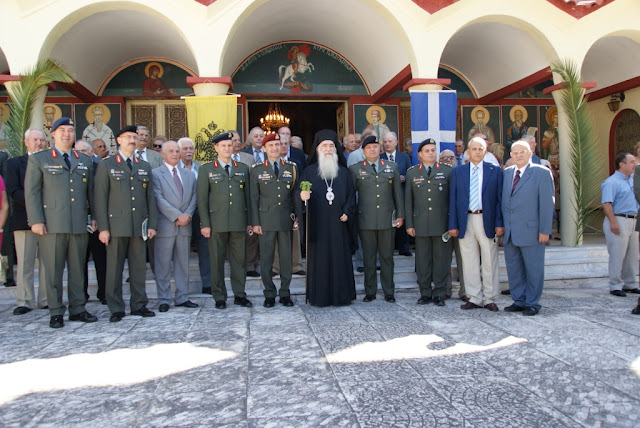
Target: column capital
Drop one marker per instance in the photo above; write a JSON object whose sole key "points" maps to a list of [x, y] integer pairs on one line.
{"points": [[562, 85], [422, 84], [210, 86]]}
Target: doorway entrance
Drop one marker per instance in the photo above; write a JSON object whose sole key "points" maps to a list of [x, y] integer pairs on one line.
{"points": [[307, 117]]}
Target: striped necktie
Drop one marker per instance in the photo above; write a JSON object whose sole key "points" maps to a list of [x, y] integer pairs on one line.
{"points": [[473, 189]]}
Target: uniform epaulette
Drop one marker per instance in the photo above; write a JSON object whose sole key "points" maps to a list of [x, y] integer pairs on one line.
{"points": [[290, 162], [444, 164], [256, 164], [411, 167]]}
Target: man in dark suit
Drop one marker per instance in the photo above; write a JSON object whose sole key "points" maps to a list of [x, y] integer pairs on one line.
{"points": [[475, 218], [95, 247], [256, 135], [527, 207], [294, 155], [126, 213], [390, 144], [59, 200], [175, 193], [26, 241]]}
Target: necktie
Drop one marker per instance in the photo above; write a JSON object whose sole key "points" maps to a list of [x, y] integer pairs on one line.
{"points": [[374, 168], [275, 169], [129, 164], [66, 160], [176, 180], [429, 172], [256, 155], [139, 154], [391, 158], [226, 169], [515, 181], [473, 188], [236, 157]]}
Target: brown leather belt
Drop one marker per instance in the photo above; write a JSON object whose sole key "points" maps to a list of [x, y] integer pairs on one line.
{"points": [[475, 212]]}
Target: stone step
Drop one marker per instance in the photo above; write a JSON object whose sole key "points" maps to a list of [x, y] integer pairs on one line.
{"points": [[589, 261]]}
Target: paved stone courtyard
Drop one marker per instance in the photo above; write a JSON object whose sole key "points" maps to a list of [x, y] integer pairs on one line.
{"points": [[366, 365]]}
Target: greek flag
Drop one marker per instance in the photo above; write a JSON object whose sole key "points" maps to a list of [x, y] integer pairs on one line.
{"points": [[433, 115]]}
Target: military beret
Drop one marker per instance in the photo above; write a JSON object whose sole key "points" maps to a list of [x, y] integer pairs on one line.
{"points": [[426, 142], [371, 139], [270, 137], [225, 136], [61, 122], [130, 128]]}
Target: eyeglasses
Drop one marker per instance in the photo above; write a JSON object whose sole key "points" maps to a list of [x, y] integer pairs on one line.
{"points": [[157, 146], [447, 157]]}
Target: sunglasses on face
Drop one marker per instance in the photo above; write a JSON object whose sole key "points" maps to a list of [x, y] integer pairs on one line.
{"points": [[157, 146]]}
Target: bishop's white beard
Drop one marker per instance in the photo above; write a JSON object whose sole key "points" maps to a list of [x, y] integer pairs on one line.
{"points": [[328, 167]]}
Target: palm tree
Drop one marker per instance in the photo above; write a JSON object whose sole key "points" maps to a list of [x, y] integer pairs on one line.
{"points": [[23, 97], [583, 154]]}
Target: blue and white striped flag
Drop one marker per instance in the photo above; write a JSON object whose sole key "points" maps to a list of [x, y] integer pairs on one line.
{"points": [[433, 115]]}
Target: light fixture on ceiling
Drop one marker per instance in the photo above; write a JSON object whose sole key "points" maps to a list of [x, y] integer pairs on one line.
{"points": [[274, 119], [614, 103]]}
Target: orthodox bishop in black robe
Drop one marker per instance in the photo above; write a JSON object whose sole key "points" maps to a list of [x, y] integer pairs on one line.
{"points": [[330, 214]]}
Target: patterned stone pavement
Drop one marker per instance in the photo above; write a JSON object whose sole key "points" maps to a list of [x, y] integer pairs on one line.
{"points": [[366, 365]]}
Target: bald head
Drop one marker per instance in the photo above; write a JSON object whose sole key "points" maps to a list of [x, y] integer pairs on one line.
{"points": [[447, 157]]}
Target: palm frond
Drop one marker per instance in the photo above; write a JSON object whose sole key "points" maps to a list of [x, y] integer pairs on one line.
{"points": [[583, 151], [23, 97]]}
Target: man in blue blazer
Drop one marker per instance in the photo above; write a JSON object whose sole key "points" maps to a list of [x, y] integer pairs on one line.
{"points": [[475, 218], [527, 208], [390, 144]]}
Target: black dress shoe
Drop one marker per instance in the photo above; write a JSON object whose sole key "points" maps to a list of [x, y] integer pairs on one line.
{"points": [[530, 311], [103, 301], [206, 290], [360, 269], [273, 274], [84, 317], [407, 254], [286, 301], [438, 301], [188, 304], [253, 274], [163, 307], [424, 300], [56, 321], [221, 304], [269, 302], [633, 291], [505, 292], [636, 310], [389, 298], [618, 293], [116, 316], [514, 308], [10, 284], [242, 301], [377, 267], [21, 310], [369, 298], [45, 307], [143, 312], [300, 272]]}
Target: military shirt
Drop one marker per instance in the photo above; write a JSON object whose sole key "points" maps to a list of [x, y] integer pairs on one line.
{"points": [[272, 205], [427, 199], [379, 194], [56, 195], [124, 197], [224, 200]]}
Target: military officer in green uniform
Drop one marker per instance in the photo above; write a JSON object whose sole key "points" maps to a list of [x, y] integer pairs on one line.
{"points": [[380, 209], [125, 210], [427, 210], [273, 216], [58, 199], [224, 203]]}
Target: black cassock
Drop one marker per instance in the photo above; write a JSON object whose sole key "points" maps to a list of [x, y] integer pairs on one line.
{"points": [[329, 266]]}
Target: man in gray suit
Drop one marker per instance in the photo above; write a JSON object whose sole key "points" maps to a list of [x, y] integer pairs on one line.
{"points": [[527, 207], [142, 153], [175, 193]]}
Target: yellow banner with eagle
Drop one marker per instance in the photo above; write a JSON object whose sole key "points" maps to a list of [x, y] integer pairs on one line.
{"points": [[207, 118]]}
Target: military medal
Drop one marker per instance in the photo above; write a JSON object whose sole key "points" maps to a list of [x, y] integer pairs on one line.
{"points": [[330, 196]]}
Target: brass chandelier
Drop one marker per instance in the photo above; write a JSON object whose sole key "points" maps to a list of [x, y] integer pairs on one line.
{"points": [[274, 119]]}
